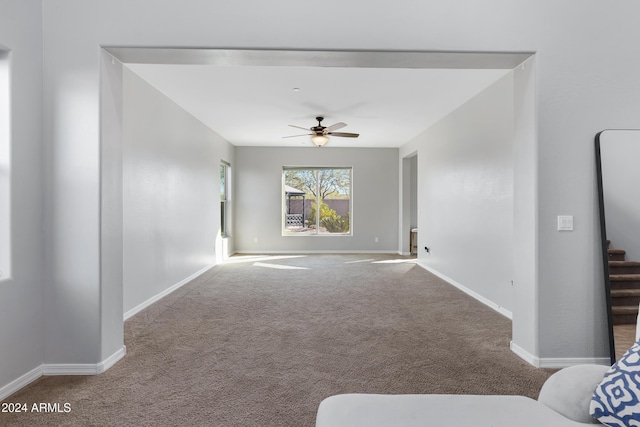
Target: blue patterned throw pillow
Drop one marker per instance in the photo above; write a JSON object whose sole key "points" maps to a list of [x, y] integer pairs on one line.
{"points": [[616, 400]]}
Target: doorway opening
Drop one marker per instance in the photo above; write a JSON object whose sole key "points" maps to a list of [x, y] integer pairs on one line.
{"points": [[525, 331]]}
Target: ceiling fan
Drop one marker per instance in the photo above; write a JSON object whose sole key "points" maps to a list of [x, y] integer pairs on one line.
{"points": [[320, 134]]}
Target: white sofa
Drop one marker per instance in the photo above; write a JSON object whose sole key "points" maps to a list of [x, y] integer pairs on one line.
{"points": [[563, 401]]}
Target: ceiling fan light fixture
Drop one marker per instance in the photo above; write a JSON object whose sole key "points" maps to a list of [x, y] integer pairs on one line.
{"points": [[319, 140]]}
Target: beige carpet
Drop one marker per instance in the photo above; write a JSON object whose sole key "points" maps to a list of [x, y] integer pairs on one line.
{"points": [[260, 342]]}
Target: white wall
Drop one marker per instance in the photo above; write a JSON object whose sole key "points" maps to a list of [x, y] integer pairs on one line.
{"points": [[258, 186], [111, 229], [620, 152], [21, 294], [171, 200], [526, 309], [465, 192]]}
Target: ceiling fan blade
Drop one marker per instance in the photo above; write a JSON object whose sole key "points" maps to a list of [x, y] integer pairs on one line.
{"points": [[336, 127], [298, 127], [293, 136], [344, 134]]}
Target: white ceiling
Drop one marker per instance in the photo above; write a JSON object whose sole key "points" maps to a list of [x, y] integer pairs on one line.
{"points": [[253, 104]]}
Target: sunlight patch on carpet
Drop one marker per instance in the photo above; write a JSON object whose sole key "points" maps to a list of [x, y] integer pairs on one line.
{"points": [[253, 258], [279, 266], [397, 261]]}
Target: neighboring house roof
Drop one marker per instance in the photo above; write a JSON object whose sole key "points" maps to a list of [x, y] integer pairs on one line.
{"points": [[293, 191]]}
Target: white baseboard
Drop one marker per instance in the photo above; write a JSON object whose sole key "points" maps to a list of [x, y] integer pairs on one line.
{"points": [[557, 362], [61, 369], [538, 362], [524, 354], [311, 252], [112, 360], [84, 368], [20, 382], [506, 313], [166, 292]]}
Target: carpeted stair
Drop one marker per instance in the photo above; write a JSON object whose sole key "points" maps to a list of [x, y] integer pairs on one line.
{"points": [[624, 277]]}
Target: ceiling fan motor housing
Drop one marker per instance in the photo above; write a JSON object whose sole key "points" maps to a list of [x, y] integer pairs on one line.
{"points": [[318, 130]]}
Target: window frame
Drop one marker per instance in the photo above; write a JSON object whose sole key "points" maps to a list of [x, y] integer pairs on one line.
{"points": [[225, 198], [317, 233]]}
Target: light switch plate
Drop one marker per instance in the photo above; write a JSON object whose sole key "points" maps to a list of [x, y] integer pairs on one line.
{"points": [[565, 222]]}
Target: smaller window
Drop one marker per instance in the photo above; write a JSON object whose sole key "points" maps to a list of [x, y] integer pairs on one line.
{"points": [[5, 166], [224, 199]]}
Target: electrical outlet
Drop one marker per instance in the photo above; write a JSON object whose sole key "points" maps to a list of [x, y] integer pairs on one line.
{"points": [[375, 240]]}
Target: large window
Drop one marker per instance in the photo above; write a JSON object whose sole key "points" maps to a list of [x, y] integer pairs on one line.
{"points": [[316, 201], [5, 166], [225, 222]]}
